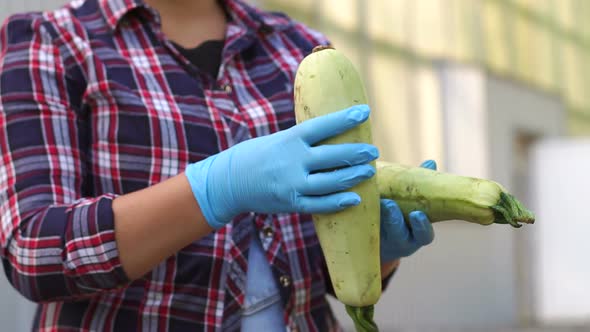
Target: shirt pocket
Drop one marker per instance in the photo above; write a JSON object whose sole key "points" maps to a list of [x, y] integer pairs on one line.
{"points": [[140, 139]]}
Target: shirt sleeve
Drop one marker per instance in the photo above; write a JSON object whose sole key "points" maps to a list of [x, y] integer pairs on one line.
{"points": [[55, 244]]}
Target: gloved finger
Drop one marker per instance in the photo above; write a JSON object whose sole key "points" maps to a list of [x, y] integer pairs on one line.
{"points": [[327, 203], [341, 179], [430, 164], [421, 228], [392, 222], [338, 155], [326, 126]]}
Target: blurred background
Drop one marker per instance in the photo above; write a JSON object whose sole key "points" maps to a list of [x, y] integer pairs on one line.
{"points": [[487, 88]]}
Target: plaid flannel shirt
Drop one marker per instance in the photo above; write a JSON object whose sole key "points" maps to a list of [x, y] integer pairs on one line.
{"points": [[95, 102]]}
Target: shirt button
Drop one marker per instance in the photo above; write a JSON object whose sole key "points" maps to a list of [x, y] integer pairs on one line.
{"points": [[227, 88], [267, 231], [266, 29], [285, 281]]}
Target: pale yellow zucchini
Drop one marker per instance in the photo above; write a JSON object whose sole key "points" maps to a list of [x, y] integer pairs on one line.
{"points": [[326, 81], [444, 196]]}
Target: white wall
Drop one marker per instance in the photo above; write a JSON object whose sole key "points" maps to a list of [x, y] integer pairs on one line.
{"points": [[514, 112], [562, 175]]}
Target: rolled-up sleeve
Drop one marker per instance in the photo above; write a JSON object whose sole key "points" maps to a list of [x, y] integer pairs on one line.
{"points": [[56, 243]]}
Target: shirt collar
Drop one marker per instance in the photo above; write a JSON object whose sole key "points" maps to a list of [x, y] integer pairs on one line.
{"points": [[115, 10], [252, 18], [241, 13]]}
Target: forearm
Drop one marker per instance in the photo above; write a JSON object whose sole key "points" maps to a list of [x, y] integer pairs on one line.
{"points": [[154, 223], [388, 268], [68, 251]]}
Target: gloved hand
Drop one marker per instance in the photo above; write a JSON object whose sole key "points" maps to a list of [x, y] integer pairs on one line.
{"points": [[397, 239], [278, 173]]}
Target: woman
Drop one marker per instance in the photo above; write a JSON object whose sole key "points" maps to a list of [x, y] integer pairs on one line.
{"points": [[153, 177]]}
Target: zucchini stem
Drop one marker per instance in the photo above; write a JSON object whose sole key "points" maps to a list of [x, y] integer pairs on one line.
{"points": [[362, 318], [510, 211]]}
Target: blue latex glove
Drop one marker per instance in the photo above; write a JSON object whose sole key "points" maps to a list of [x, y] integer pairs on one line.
{"points": [[277, 173], [397, 239]]}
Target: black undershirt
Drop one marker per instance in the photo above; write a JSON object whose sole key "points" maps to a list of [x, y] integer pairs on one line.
{"points": [[206, 56]]}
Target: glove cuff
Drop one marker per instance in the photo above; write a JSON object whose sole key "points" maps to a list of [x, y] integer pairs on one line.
{"points": [[197, 174]]}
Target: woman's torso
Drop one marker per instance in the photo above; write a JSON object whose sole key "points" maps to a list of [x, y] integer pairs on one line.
{"points": [[146, 113]]}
